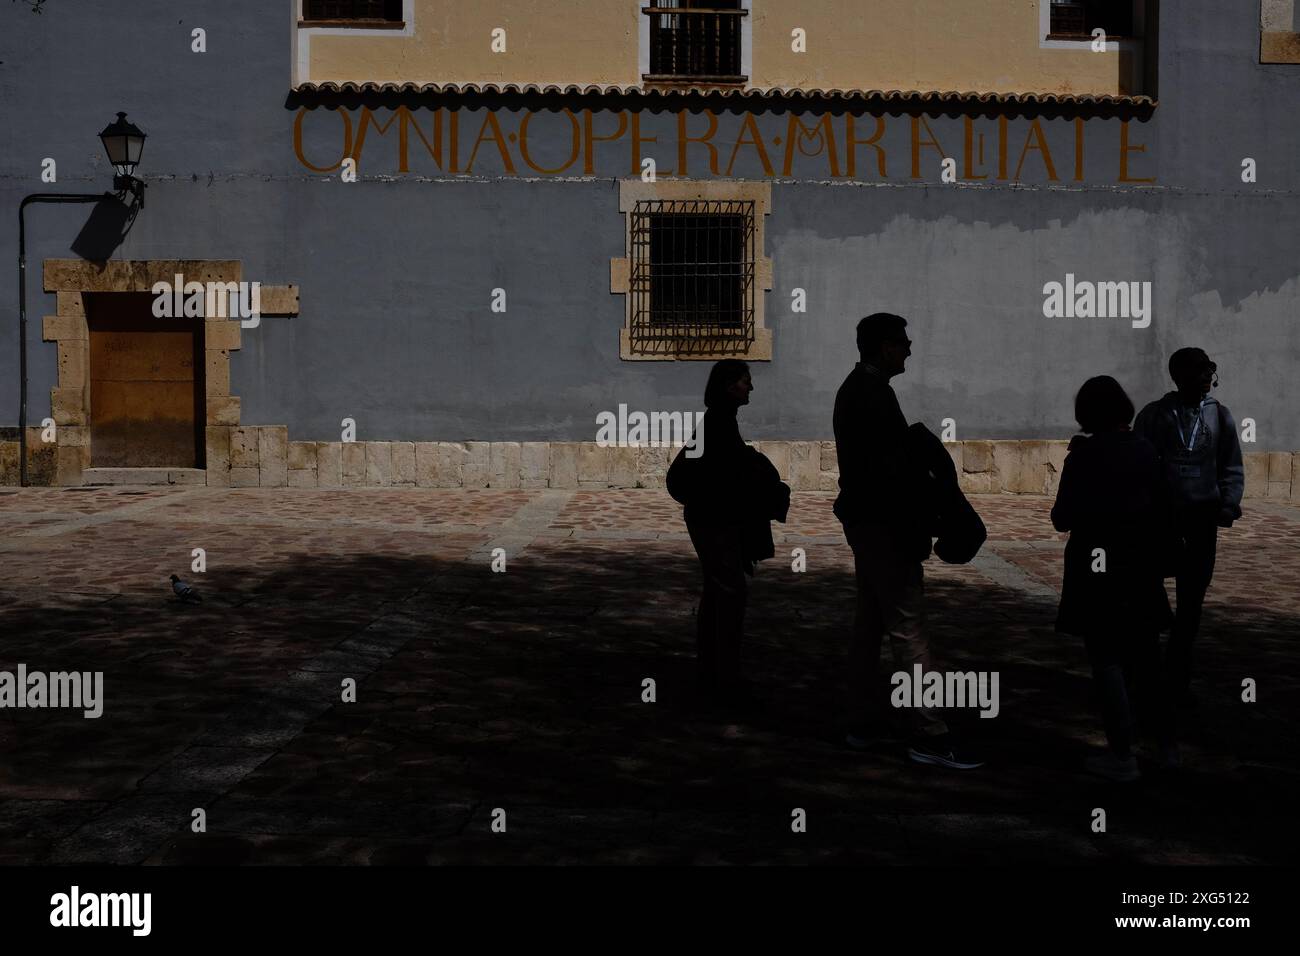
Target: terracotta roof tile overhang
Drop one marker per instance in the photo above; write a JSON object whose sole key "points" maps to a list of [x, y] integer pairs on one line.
{"points": [[669, 95]]}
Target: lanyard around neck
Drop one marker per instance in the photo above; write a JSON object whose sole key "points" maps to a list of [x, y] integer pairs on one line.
{"points": [[1189, 444]]}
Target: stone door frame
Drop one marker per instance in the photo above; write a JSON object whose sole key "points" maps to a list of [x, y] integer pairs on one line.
{"points": [[71, 279]]}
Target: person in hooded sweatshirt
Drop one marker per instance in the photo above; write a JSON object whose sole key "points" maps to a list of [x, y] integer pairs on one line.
{"points": [[1114, 502], [1196, 438]]}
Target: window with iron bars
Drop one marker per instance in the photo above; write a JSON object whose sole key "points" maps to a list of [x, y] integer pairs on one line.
{"points": [[386, 11], [692, 276], [1078, 18], [695, 39]]}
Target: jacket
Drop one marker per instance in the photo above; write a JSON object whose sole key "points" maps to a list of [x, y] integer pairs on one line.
{"points": [[1199, 453], [957, 526], [730, 483], [1114, 502], [880, 483]]}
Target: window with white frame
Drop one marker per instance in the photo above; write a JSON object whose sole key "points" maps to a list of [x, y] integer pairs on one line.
{"points": [[697, 40]]}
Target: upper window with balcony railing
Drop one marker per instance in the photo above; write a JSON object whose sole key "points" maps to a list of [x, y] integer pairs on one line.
{"points": [[698, 41]]}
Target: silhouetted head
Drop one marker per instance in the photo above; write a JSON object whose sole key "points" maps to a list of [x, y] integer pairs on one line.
{"points": [[883, 342], [1193, 372], [729, 384], [1102, 405], [175, 578]]}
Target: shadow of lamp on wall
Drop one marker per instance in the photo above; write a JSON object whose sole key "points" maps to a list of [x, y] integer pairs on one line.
{"points": [[124, 143], [105, 230]]}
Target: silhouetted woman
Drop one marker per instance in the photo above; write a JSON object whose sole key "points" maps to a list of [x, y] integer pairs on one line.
{"points": [[1112, 500], [730, 492]]}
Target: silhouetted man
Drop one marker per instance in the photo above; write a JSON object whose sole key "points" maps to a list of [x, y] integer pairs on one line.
{"points": [[1197, 441], [887, 528]]}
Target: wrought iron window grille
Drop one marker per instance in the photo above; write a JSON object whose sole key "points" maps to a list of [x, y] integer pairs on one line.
{"points": [[691, 276]]}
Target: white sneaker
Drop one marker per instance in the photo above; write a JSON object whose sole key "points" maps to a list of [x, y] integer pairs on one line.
{"points": [[1120, 769]]}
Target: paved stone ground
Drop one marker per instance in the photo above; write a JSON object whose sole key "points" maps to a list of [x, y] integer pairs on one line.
{"points": [[522, 690]]}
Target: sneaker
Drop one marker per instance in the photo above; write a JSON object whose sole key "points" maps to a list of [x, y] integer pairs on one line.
{"points": [[1108, 765], [940, 751]]}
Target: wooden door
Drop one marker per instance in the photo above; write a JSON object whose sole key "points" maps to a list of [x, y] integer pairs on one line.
{"points": [[146, 385]]}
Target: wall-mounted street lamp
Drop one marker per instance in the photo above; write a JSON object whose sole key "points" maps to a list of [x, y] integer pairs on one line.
{"points": [[124, 142]]}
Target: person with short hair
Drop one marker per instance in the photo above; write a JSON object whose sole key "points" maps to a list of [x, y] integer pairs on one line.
{"points": [[1113, 501], [1196, 438], [886, 523]]}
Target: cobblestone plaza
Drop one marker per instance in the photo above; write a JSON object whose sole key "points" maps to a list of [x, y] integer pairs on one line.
{"points": [[522, 690]]}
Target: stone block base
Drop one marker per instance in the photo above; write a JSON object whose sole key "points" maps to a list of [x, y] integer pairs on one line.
{"points": [[143, 476], [263, 456]]}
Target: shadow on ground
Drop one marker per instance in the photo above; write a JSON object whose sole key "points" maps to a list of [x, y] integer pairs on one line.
{"points": [[523, 691]]}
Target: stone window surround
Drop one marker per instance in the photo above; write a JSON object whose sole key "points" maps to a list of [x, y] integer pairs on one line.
{"points": [[631, 191], [70, 279], [1279, 31]]}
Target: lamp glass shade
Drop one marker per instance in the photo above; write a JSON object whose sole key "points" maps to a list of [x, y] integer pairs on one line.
{"points": [[124, 143]]}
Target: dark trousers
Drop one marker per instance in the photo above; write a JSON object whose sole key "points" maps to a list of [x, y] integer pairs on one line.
{"points": [[891, 602], [1125, 669], [1198, 530], [720, 620]]}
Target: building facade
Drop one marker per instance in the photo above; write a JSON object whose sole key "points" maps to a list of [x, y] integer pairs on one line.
{"points": [[480, 229]]}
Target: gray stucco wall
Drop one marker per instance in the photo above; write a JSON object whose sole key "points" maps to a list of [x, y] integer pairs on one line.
{"points": [[396, 271]]}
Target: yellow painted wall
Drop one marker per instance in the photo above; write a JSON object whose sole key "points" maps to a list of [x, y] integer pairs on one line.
{"points": [[547, 41], [988, 46], [983, 46]]}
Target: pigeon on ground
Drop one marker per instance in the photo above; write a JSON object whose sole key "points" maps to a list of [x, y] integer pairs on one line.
{"points": [[184, 591]]}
